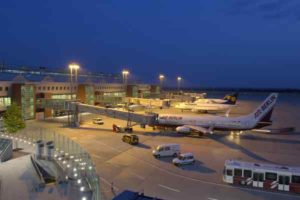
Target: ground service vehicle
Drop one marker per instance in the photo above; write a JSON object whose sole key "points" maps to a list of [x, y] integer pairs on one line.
{"points": [[120, 129], [164, 150], [184, 159], [266, 176], [98, 121], [117, 128], [130, 139]]}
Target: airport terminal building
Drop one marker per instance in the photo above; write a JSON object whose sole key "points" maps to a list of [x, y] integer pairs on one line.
{"points": [[30, 88]]}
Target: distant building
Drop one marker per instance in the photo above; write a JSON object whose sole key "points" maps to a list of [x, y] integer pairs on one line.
{"points": [[29, 88]]}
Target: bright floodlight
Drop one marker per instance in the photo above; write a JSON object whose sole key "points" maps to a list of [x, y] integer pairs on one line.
{"points": [[161, 76], [74, 66], [179, 78], [125, 72]]}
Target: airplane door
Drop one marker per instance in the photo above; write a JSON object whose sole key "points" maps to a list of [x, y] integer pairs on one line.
{"points": [[284, 183], [258, 179]]}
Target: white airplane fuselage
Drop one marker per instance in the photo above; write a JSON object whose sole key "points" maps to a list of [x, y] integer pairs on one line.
{"points": [[217, 122], [210, 101], [260, 117], [204, 106]]}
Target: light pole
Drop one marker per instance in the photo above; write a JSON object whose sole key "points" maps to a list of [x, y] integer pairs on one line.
{"points": [[75, 67], [161, 80], [125, 74], [179, 79]]}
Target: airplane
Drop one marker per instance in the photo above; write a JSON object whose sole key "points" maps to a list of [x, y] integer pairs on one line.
{"points": [[136, 107], [228, 99], [208, 124], [212, 105]]}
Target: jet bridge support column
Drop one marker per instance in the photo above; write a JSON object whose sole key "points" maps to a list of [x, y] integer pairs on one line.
{"points": [[73, 114], [76, 117]]}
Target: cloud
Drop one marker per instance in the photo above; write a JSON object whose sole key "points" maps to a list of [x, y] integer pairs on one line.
{"points": [[268, 9]]}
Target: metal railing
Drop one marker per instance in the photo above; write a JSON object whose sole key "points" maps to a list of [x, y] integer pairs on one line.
{"points": [[6, 152], [72, 159]]}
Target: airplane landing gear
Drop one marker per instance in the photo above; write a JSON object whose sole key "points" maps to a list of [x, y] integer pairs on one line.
{"points": [[236, 133]]}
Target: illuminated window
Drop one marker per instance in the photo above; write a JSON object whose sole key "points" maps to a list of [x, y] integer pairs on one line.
{"points": [[63, 96], [5, 101]]}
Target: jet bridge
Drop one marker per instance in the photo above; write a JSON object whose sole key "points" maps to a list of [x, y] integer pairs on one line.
{"points": [[142, 119], [75, 108]]}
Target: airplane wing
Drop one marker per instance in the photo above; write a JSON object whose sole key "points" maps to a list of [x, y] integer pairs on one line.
{"points": [[200, 129]]}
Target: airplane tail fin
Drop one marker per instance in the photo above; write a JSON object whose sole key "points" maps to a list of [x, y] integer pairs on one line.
{"points": [[262, 114], [231, 98]]}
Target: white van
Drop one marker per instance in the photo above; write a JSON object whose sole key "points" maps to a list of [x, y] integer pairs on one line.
{"points": [[166, 150], [184, 159]]}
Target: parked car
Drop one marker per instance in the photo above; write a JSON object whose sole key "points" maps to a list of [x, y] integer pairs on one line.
{"points": [[184, 159], [130, 139], [166, 150], [98, 121]]}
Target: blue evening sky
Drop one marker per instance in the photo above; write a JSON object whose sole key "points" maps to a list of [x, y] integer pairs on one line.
{"points": [[210, 43]]}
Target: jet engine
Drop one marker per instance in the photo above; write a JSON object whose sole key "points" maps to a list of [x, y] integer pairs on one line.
{"points": [[183, 129]]}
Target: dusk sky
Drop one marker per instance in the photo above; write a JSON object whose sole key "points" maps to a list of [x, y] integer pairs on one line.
{"points": [[210, 43]]}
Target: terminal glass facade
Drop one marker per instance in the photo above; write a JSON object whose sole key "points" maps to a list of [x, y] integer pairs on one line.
{"points": [[5, 101], [135, 91], [89, 95], [110, 97], [114, 94], [27, 101], [145, 94]]}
